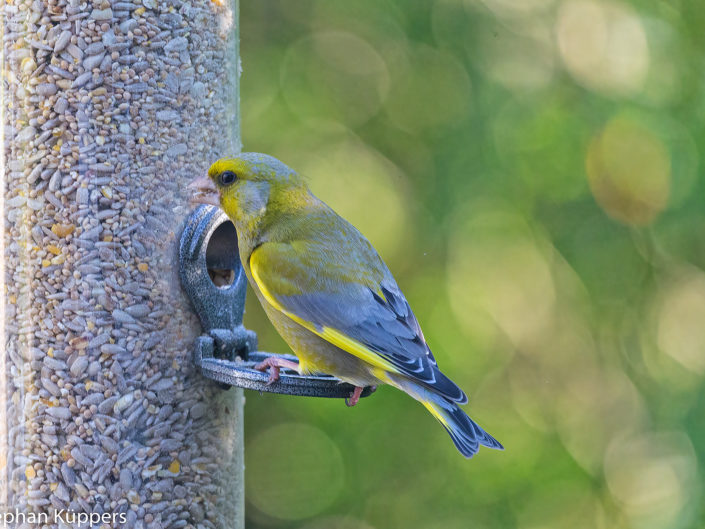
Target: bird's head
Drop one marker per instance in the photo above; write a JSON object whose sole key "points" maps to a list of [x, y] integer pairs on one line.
{"points": [[242, 186]]}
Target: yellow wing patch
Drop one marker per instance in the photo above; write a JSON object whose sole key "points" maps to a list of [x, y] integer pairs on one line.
{"points": [[353, 347], [329, 334], [435, 412]]}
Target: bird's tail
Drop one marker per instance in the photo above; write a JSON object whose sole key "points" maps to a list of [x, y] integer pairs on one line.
{"points": [[466, 433]]}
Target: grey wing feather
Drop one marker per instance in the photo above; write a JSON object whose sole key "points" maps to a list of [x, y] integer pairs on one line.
{"points": [[386, 325]]}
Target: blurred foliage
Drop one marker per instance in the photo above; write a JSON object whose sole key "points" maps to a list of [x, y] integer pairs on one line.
{"points": [[530, 170]]}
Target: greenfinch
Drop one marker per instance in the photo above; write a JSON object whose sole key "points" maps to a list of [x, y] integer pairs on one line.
{"points": [[328, 293]]}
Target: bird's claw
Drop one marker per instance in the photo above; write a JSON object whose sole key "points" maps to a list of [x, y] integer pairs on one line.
{"points": [[274, 364], [354, 397]]}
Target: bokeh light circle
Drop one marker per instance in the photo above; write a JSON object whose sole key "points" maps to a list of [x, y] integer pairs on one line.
{"points": [[681, 322], [603, 45], [652, 476], [629, 171], [596, 406], [518, 54], [497, 267], [295, 471], [334, 75]]}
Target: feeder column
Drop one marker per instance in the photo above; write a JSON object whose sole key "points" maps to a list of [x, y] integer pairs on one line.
{"points": [[109, 109]]}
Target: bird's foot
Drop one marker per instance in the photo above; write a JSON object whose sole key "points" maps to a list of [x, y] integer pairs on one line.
{"points": [[354, 397], [274, 364]]}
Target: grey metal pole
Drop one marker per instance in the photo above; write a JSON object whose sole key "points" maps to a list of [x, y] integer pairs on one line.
{"points": [[109, 109]]}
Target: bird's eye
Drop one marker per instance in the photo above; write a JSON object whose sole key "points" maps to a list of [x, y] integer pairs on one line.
{"points": [[227, 178]]}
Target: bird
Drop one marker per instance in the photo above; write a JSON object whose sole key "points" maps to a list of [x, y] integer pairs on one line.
{"points": [[328, 293]]}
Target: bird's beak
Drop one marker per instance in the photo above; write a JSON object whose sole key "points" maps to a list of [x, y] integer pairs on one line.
{"points": [[204, 191]]}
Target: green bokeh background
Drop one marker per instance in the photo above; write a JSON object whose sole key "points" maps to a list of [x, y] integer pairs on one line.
{"points": [[531, 172]]}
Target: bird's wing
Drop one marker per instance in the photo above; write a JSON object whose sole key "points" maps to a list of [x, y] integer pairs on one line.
{"points": [[344, 293]]}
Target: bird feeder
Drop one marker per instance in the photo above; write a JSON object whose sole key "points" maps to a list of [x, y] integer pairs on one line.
{"points": [[109, 109]]}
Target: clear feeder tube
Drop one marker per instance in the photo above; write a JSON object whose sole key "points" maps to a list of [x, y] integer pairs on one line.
{"points": [[109, 108]]}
